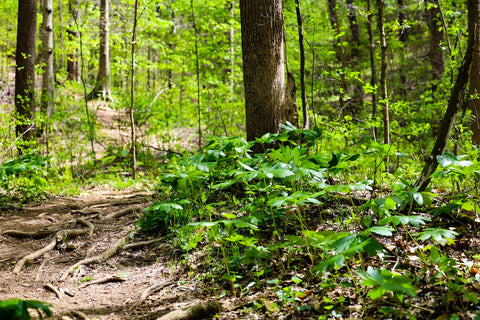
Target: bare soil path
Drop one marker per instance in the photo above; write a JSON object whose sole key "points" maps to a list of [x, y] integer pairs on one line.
{"points": [[136, 278]]}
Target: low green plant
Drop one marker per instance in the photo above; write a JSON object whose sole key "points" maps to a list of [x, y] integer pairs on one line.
{"points": [[17, 309]]}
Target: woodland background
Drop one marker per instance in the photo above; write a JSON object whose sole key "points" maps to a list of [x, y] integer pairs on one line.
{"points": [[331, 218]]}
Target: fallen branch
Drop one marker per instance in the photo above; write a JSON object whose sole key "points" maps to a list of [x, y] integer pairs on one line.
{"points": [[103, 280], [98, 258], [198, 311]]}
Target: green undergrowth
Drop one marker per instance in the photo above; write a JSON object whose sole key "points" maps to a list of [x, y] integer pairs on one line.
{"points": [[304, 223]]}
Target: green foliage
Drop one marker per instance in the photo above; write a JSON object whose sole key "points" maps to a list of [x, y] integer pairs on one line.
{"points": [[384, 280], [25, 175], [17, 309]]}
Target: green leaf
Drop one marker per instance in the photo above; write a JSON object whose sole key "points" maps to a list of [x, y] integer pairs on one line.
{"points": [[383, 231], [442, 236], [387, 281], [415, 221]]}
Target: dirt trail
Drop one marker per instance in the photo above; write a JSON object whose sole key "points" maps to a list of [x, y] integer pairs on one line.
{"points": [[127, 274]]}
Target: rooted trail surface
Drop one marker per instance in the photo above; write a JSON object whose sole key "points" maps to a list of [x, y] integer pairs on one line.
{"points": [[125, 277]]}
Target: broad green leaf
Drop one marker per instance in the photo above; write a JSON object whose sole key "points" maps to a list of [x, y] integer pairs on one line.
{"points": [[387, 280], [382, 230]]}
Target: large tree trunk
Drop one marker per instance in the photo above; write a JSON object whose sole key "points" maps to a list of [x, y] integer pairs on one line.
{"points": [[48, 78], [475, 84], [102, 86], [263, 66], [25, 71], [454, 102]]}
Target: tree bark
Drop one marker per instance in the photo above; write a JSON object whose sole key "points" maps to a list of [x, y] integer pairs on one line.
{"points": [[102, 86], [454, 102], [25, 69], [263, 66], [474, 89]]}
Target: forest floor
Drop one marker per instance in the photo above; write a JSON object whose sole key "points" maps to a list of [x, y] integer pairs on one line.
{"points": [[143, 282]]}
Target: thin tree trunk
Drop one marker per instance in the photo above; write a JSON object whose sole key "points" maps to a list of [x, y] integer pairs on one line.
{"points": [[25, 70], [340, 50], [62, 41], [90, 120], [48, 78], [402, 37], [133, 136], [355, 53], [383, 73], [302, 66], [373, 64], [73, 67], [454, 102], [435, 26], [231, 38], [199, 110]]}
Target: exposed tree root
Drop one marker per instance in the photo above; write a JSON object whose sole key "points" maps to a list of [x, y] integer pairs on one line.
{"points": [[59, 237], [89, 225], [28, 234], [151, 290], [140, 244], [120, 213], [79, 314], [98, 258], [113, 202], [54, 290], [199, 311], [34, 255], [103, 280]]}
